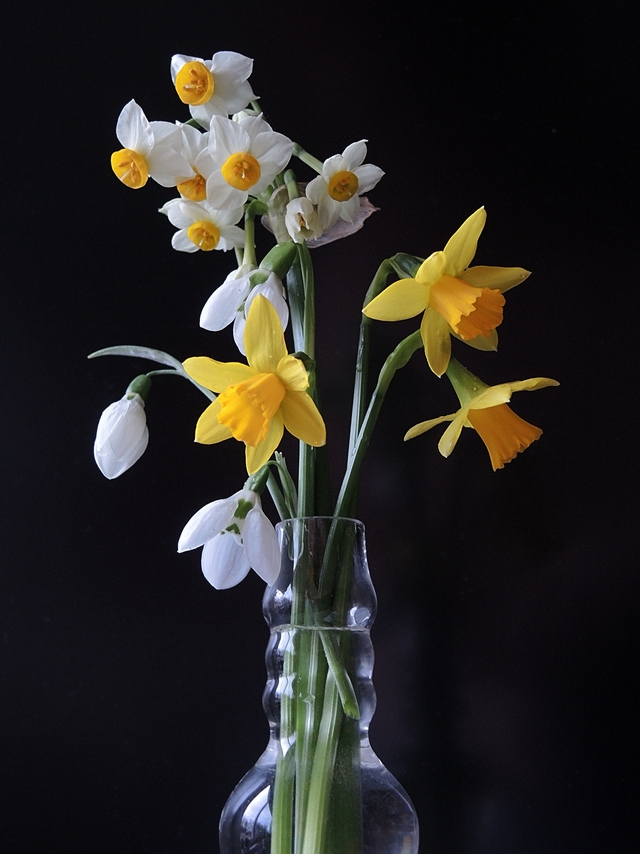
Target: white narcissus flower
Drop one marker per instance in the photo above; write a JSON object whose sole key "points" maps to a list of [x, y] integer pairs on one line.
{"points": [[247, 156], [122, 436], [230, 302], [236, 536], [150, 149], [344, 178], [202, 227], [302, 221], [213, 87]]}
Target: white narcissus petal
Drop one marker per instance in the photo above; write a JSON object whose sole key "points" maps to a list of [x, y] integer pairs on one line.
{"points": [[122, 436], [133, 129], [181, 213], [167, 167], [231, 237], [180, 59], [331, 165], [224, 562], [316, 189], [349, 210], [226, 137], [261, 544], [207, 523], [368, 176], [182, 242], [354, 154]]}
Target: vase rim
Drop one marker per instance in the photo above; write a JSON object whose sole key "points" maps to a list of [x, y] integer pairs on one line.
{"points": [[324, 518]]}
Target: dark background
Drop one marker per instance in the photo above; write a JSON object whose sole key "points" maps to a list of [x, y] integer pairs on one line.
{"points": [[507, 631]]}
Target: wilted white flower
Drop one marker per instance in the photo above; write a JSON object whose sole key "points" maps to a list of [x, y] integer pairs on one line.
{"points": [[302, 221], [122, 436], [236, 536]]}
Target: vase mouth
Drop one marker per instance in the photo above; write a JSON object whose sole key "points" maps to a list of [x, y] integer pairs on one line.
{"points": [[319, 520]]}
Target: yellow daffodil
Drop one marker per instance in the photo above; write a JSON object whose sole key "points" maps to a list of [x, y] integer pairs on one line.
{"points": [[455, 298], [485, 409], [257, 401]]}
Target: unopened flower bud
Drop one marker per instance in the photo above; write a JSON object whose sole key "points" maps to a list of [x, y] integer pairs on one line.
{"points": [[122, 434]]}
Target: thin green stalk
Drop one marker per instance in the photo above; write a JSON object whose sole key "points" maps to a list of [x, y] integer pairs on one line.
{"points": [[249, 256], [358, 409], [309, 159], [347, 498]]}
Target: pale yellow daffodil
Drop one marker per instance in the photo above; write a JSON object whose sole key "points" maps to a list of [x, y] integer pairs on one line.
{"points": [[485, 409], [455, 298], [257, 401]]}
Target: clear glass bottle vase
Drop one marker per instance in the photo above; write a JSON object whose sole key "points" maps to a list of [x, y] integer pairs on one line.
{"points": [[319, 788]]}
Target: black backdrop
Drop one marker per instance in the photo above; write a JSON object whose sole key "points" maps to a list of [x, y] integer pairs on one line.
{"points": [[507, 631]]}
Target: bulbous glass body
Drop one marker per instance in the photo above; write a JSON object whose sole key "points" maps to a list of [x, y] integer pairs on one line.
{"points": [[319, 788]]}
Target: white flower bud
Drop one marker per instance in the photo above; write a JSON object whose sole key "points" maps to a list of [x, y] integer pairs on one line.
{"points": [[122, 436]]}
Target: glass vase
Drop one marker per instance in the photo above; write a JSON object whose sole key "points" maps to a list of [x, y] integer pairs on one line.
{"points": [[319, 788]]}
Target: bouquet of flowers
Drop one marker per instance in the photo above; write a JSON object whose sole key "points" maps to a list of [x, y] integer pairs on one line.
{"points": [[228, 169]]}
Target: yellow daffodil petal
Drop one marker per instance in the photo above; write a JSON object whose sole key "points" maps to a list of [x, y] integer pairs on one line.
{"points": [[461, 247], [434, 330], [302, 419], [497, 394], [256, 457], [423, 426], [293, 374], [401, 300], [501, 278], [248, 407], [431, 269], [503, 432], [216, 375], [208, 429], [451, 435], [532, 384], [263, 336], [492, 396]]}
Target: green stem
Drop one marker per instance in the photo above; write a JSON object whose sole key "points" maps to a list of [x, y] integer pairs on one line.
{"points": [[347, 498], [249, 256], [309, 159]]}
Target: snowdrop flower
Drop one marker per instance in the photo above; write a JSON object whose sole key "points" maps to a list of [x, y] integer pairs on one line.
{"points": [[302, 221], [344, 178], [150, 149], [247, 156], [236, 536], [122, 435], [202, 227], [231, 301], [213, 87]]}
